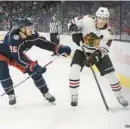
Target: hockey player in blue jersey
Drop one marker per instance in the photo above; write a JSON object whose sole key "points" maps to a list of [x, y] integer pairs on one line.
{"points": [[12, 52]]}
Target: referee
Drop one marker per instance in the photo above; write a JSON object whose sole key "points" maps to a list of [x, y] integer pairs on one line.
{"points": [[54, 31]]}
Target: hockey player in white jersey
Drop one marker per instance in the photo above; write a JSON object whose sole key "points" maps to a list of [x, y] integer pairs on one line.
{"points": [[96, 39]]}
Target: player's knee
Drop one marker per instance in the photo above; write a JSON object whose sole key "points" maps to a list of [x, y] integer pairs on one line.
{"points": [[41, 85], [75, 71], [36, 76], [5, 79], [112, 77], [38, 80], [6, 83], [4, 71]]}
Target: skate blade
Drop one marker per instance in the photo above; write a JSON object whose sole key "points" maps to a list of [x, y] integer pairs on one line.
{"points": [[12, 106], [53, 103], [115, 110], [74, 108]]}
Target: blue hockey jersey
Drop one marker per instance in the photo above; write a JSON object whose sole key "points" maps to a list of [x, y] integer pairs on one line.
{"points": [[14, 46]]}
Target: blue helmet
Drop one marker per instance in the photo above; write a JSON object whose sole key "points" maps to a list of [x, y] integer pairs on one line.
{"points": [[22, 22]]}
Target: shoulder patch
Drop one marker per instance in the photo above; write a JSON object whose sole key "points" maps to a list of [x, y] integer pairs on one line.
{"points": [[16, 37], [111, 31]]}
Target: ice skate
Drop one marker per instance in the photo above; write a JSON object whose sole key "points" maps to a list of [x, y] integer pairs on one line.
{"points": [[12, 99], [49, 97], [122, 101], [74, 100]]}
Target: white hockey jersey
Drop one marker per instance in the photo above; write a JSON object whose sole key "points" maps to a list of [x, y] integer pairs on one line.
{"points": [[93, 37]]}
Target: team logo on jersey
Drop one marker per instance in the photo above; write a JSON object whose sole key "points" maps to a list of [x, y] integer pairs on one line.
{"points": [[16, 37], [92, 40]]}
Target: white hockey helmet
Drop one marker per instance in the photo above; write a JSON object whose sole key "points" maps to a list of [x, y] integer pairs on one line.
{"points": [[102, 12]]}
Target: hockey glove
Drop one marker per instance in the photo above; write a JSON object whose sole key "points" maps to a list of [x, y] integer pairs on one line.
{"points": [[94, 58], [36, 68], [73, 27], [60, 49]]}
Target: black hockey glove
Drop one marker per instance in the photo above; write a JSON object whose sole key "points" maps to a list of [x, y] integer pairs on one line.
{"points": [[73, 27], [94, 58]]}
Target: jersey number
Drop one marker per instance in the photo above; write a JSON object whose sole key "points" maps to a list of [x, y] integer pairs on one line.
{"points": [[13, 48]]}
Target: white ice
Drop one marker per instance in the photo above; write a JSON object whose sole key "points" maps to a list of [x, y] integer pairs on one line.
{"points": [[33, 112]]}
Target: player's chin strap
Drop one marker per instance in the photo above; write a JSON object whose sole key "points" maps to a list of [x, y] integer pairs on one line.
{"points": [[50, 62], [99, 87]]}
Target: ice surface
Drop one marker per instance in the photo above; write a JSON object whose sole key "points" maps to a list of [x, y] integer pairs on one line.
{"points": [[33, 112]]}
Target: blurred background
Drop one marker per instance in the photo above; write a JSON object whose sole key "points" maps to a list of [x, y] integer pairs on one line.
{"points": [[41, 13]]}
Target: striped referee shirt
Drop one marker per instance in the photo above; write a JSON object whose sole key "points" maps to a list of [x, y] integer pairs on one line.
{"points": [[54, 27]]}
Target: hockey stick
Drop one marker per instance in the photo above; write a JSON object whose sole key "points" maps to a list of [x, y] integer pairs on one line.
{"points": [[95, 77], [31, 75], [113, 110]]}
